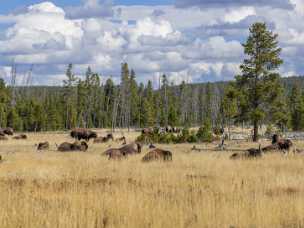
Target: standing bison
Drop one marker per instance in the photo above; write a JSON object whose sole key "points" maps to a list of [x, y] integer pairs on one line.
{"points": [[83, 134], [278, 144]]}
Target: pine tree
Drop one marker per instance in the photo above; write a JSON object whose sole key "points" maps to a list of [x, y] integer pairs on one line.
{"points": [[69, 98], [296, 109], [230, 106], [258, 72]]}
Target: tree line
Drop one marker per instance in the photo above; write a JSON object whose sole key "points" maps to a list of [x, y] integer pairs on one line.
{"points": [[257, 96]]}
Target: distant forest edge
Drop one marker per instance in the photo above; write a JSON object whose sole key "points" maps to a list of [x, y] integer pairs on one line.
{"points": [[88, 103], [256, 97]]}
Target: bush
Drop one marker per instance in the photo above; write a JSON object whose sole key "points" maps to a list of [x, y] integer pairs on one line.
{"points": [[192, 139], [204, 134]]}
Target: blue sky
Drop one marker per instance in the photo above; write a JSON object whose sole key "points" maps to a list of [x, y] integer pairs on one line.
{"points": [[13, 4], [189, 40]]}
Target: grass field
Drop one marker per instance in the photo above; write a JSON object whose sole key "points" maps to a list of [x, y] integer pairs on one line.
{"points": [[207, 189]]}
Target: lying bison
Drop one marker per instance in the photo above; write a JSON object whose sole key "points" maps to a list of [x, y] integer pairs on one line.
{"points": [[133, 148], [157, 155], [43, 146], [22, 136], [116, 154], [83, 134], [104, 139], [250, 153], [70, 147], [278, 144], [7, 131]]}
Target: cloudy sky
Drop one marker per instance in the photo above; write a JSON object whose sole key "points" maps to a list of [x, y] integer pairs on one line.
{"points": [[192, 40]]}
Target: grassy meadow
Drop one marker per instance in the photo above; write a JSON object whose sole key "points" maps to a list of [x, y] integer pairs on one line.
{"points": [[206, 189]]}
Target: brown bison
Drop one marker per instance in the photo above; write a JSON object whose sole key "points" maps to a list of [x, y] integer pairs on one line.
{"points": [[104, 139], [157, 155], [129, 149], [70, 147], [22, 136], [116, 154], [133, 148], [7, 131], [83, 134], [278, 144], [43, 146], [3, 138], [250, 153]]}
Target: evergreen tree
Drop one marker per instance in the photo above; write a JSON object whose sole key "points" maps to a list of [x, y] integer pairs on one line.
{"points": [[296, 102], [259, 73]]}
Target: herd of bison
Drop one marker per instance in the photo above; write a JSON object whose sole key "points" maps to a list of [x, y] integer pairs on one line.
{"points": [[83, 136]]}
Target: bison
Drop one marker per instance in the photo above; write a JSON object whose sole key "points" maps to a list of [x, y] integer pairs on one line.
{"points": [[83, 134], [43, 146], [133, 148], [116, 154], [278, 144], [129, 149], [104, 139], [70, 147], [8, 131], [22, 136], [250, 153], [157, 155]]}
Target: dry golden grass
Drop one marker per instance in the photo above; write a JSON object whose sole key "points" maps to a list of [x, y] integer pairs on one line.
{"points": [[207, 189]]}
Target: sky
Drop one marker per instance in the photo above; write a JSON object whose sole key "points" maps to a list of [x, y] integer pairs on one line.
{"points": [[188, 40]]}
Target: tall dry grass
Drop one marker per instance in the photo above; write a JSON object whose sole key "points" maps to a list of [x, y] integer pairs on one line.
{"points": [[51, 189]]}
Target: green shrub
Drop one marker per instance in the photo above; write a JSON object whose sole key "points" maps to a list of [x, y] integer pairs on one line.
{"points": [[204, 134]]}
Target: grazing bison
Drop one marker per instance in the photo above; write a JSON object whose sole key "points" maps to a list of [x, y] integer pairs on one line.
{"points": [[278, 144], [250, 153], [43, 146], [3, 138], [70, 147], [22, 136], [157, 155], [104, 139], [82, 133]]}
